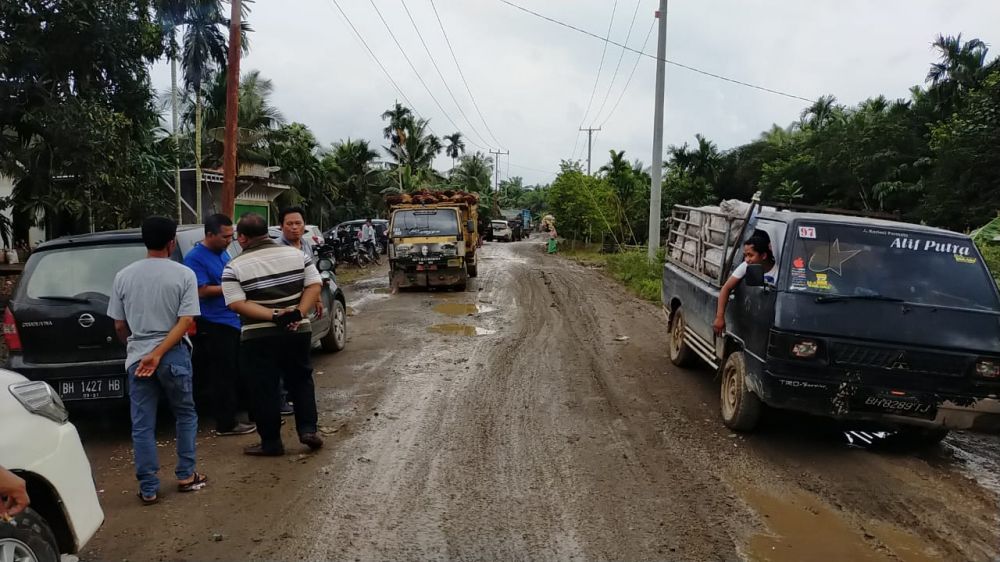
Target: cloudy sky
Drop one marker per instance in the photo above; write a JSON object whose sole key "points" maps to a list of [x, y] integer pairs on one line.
{"points": [[533, 80]]}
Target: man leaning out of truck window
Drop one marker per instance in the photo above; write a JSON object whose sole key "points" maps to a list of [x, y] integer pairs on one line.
{"points": [[756, 251]]}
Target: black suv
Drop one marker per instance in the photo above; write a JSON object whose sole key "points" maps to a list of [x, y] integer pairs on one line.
{"points": [[56, 325]]}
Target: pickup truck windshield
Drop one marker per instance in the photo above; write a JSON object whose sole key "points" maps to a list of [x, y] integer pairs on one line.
{"points": [[877, 264], [431, 222]]}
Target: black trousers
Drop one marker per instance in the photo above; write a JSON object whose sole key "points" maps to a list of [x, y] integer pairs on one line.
{"points": [[266, 362], [217, 355]]}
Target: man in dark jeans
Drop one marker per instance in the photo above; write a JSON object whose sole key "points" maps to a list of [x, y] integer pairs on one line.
{"points": [[273, 288], [218, 351]]}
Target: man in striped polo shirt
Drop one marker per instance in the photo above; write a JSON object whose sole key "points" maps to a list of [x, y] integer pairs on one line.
{"points": [[273, 287]]}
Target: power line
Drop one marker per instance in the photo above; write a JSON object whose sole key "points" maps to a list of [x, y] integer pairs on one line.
{"points": [[440, 74], [462, 74], [638, 58], [419, 77], [600, 67], [620, 57], [654, 57], [376, 59]]}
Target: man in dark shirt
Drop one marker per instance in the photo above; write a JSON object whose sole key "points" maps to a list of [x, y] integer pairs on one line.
{"points": [[273, 288], [217, 352]]}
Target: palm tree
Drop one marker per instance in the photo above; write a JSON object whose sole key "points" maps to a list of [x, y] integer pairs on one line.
{"points": [[819, 114], [962, 67], [415, 155], [455, 147], [473, 173], [204, 50], [258, 117], [399, 117], [171, 14], [355, 179]]}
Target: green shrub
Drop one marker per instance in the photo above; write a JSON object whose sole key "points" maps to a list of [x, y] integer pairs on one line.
{"points": [[636, 272]]}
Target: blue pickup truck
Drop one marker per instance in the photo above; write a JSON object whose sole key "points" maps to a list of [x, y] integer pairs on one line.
{"points": [[890, 325]]}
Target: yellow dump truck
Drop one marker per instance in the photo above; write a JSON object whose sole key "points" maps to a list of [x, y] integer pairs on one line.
{"points": [[433, 238]]}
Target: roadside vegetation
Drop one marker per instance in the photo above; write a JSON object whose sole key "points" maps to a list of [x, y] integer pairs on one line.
{"points": [[630, 268]]}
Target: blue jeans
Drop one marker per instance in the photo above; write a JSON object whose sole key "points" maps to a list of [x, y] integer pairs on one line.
{"points": [[174, 380]]}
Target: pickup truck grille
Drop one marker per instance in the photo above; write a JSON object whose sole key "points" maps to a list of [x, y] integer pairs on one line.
{"points": [[903, 361]]}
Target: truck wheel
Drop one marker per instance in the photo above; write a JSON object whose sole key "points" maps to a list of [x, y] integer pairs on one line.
{"points": [[915, 438], [680, 354], [336, 339], [740, 407], [471, 269], [30, 539]]}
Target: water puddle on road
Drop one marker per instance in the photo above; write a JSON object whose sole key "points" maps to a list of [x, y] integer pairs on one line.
{"points": [[803, 528], [461, 309], [459, 330]]}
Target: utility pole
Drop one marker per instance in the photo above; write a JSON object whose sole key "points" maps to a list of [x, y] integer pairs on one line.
{"points": [[656, 170], [229, 169], [496, 168], [590, 138]]}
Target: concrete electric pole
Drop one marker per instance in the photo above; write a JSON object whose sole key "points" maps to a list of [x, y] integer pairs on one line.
{"points": [[656, 170], [590, 138], [496, 168], [229, 169]]}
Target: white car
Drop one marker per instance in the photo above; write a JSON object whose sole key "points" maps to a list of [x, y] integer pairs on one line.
{"points": [[501, 231], [38, 444], [312, 233]]}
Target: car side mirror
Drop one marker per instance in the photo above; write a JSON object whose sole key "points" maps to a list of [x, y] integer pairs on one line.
{"points": [[754, 276], [470, 226]]}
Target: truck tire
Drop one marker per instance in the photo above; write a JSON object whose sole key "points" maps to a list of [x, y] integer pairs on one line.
{"points": [[30, 539], [680, 354], [471, 269], [336, 339], [914, 438], [739, 406]]}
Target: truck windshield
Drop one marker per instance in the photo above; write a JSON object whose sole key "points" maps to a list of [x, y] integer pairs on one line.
{"points": [[868, 263], [431, 222]]}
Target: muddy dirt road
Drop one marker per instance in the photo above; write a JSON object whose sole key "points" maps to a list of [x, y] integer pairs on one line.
{"points": [[536, 416]]}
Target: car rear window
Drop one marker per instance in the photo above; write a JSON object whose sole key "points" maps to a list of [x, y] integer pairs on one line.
{"points": [[78, 272]]}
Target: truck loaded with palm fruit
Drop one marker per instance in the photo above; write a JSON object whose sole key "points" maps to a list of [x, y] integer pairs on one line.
{"points": [[433, 238]]}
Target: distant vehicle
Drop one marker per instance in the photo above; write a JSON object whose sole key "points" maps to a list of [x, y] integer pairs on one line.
{"points": [[353, 227], [312, 234], [39, 445], [434, 239], [887, 324], [502, 230]]}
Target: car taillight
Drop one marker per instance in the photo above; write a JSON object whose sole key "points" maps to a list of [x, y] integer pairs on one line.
{"points": [[10, 335]]}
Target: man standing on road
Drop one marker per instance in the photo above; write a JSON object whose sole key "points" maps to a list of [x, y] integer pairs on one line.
{"points": [[218, 349], [153, 303], [368, 238], [273, 287]]}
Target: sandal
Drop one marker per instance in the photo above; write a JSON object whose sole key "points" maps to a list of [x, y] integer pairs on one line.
{"points": [[198, 482], [146, 500]]}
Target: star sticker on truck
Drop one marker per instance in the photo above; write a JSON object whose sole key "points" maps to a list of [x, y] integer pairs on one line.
{"points": [[831, 258]]}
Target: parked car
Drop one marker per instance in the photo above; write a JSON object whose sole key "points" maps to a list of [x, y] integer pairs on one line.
{"points": [[501, 230], [352, 228], [56, 325], [312, 234], [39, 445]]}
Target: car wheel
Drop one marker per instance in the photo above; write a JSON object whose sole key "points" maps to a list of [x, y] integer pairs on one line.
{"points": [[472, 270], [680, 354], [336, 339], [28, 538], [740, 407]]}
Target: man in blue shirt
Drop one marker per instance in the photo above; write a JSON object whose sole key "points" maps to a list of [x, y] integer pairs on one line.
{"points": [[218, 327]]}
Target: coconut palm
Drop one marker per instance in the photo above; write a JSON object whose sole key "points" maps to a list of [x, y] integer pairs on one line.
{"points": [[399, 117], [414, 155], [455, 147], [350, 165], [819, 114], [204, 51], [258, 118], [473, 173]]}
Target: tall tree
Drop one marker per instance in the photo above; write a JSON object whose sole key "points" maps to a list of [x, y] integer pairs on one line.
{"points": [[455, 147], [204, 51], [171, 15], [473, 173], [356, 180]]}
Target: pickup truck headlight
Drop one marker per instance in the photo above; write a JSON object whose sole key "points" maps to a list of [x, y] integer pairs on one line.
{"points": [[805, 349], [38, 398], [988, 368]]}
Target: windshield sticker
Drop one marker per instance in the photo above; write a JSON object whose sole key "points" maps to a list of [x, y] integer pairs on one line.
{"points": [[878, 232], [931, 246], [397, 231], [800, 279], [965, 259], [831, 258], [807, 232], [821, 283]]}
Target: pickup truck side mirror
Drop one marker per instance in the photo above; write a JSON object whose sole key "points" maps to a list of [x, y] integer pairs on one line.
{"points": [[470, 226], [754, 276]]}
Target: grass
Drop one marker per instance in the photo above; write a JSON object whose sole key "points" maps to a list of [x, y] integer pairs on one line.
{"points": [[991, 253], [631, 269]]}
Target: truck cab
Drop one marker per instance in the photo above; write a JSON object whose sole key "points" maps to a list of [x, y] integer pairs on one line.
{"points": [[432, 244], [888, 324]]}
